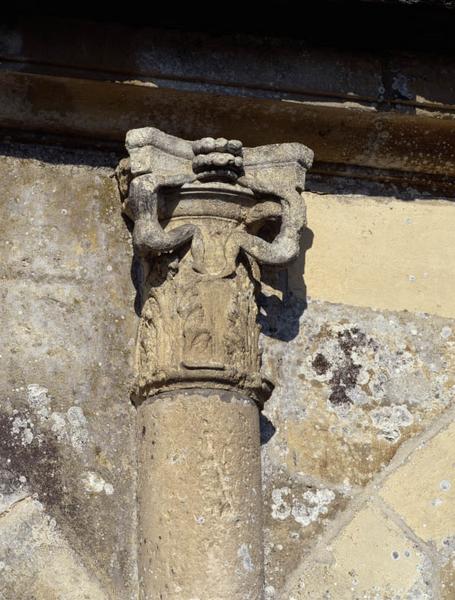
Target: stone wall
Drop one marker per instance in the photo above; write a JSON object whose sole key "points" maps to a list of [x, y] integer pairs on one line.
{"points": [[358, 469], [358, 473], [68, 329], [358, 334]]}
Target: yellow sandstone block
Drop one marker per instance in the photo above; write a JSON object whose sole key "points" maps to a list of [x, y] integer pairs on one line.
{"points": [[379, 253], [371, 558], [422, 491]]}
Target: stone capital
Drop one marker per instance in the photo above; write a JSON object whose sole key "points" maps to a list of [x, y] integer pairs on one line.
{"points": [[199, 210]]}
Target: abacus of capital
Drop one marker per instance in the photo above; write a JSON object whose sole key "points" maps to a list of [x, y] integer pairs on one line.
{"points": [[198, 209]]}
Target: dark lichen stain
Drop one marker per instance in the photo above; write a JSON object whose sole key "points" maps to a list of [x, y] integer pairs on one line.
{"points": [[345, 376], [50, 471], [320, 364], [339, 396], [41, 463], [350, 339], [37, 461]]}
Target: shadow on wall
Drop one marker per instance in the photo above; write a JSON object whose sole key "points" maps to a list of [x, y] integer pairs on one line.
{"points": [[280, 313]]}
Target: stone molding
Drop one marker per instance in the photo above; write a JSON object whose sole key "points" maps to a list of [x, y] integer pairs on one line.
{"points": [[367, 115]]}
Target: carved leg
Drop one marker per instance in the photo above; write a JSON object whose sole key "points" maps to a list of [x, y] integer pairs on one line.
{"points": [[286, 246], [149, 237]]}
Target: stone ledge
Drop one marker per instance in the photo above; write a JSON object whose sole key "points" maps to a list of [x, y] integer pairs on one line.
{"points": [[232, 64], [367, 110], [102, 111]]}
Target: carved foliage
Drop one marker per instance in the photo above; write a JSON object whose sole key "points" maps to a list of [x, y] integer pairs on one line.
{"points": [[196, 329]]}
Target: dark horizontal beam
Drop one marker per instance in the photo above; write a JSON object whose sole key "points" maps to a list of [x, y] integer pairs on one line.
{"points": [[357, 110], [241, 65], [105, 111]]}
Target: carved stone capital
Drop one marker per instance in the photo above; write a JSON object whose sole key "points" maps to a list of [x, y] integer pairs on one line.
{"points": [[198, 210]]}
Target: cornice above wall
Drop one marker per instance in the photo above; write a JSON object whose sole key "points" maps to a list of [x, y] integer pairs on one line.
{"points": [[377, 115]]}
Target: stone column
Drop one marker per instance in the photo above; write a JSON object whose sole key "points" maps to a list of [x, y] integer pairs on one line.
{"points": [[199, 210]]}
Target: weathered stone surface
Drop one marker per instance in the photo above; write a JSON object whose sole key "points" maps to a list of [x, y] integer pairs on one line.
{"points": [[67, 331], [199, 246], [422, 491], [392, 110], [36, 561], [67, 429], [371, 559], [447, 580], [351, 558], [353, 385], [361, 380], [200, 497]]}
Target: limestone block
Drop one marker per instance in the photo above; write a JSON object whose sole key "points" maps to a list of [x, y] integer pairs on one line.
{"points": [[67, 329], [36, 560], [352, 386], [296, 511], [447, 579], [370, 559], [379, 252], [422, 490]]}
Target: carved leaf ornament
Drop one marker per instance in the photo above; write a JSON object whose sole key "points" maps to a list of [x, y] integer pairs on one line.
{"points": [[197, 208]]}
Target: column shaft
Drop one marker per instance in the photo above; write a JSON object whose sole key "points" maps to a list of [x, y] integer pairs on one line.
{"points": [[200, 504], [200, 209]]}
